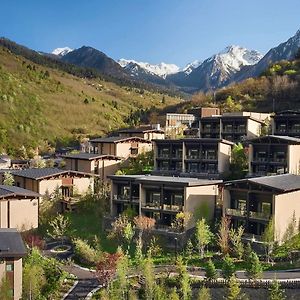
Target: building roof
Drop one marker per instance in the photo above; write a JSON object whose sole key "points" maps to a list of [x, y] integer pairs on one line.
{"points": [[199, 140], [282, 183], [41, 173], [186, 181], [280, 138], [117, 139], [140, 129], [91, 156], [7, 191], [11, 243]]}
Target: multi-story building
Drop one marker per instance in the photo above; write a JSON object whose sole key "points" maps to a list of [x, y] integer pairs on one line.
{"points": [[286, 123], [162, 197], [124, 147], [252, 202], [271, 154], [102, 165], [12, 250], [147, 132], [202, 158], [235, 127], [19, 208]]}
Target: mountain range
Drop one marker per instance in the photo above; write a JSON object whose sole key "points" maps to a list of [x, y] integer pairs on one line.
{"points": [[233, 64]]}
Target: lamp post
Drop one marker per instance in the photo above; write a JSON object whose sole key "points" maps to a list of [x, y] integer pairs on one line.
{"points": [[176, 241]]}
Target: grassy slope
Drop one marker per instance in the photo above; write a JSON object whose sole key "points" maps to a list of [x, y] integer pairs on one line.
{"points": [[36, 107]]}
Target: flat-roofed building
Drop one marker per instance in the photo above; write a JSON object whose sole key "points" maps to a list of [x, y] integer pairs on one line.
{"points": [[12, 250], [252, 202], [202, 158], [162, 197], [286, 123], [272, 154]]}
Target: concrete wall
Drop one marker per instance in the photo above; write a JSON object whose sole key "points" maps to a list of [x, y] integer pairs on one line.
{"points": [[48, 186], [23, 214], [108, 167], [82, 185], [123, 149], [200, 196], [284, 207], [294, 159], [224, 155], [253, 129]]}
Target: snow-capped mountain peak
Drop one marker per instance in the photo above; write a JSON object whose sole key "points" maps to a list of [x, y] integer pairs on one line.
{"points": [[62, 51], [191, 66], [162, 69]]}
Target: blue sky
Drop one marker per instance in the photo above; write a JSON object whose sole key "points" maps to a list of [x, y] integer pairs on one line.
{"points": [[173, 31]]}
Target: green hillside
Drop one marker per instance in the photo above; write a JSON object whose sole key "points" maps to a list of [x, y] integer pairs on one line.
{"points": [[40, 105]]}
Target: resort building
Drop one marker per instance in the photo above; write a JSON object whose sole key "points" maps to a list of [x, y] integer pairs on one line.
{"points": [[162, 197], [252, 202], [12, 250], [46, 181], [102, 165], [286, 123], [19, 208], [271, 154], [147, 132], [202, 158], [123, 147]]}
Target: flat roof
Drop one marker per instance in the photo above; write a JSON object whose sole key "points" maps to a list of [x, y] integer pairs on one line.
{"points": [[7, 191], [91, 156], [140, 129], [281, 183], [287, 139], [41, 173], [117, 139], [199, 140], [11, 243], [186, 181]]}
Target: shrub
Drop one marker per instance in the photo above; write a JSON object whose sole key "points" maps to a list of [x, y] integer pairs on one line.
{"points": [[85, 253]]}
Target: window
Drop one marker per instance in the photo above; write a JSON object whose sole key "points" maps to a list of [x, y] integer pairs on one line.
{"points": [[9, 267], [134, 151], [193, 153], [266, 208]]}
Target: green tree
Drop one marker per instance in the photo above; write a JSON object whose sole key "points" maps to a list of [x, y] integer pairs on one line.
{"points": [[203, 236], [5, 289], [149, 276], [204, 294], [236, 241], [239, 162], [59, 227], [275, 292], [173, 295], [233, 289], [223, 235], [33, 281], [227, 267], [183, 280], [210, 270], [8, 179], [268, 237], [291, 229], [253, 267], [189, 249]]}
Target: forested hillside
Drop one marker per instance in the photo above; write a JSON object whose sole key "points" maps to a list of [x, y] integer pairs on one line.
{"points": [[41, 105]]}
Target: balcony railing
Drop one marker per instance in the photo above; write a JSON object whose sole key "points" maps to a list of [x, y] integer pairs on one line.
{"points": [[151, 206], [163, 155], [172, 207], [259, 215], [125, 198], [236, 212]]}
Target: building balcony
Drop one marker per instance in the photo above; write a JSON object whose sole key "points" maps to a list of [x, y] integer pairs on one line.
{"points": [[151, 206], [259, 215], [169, 207], [192, 157], [123, 198], [236, 212], [163, 156]]}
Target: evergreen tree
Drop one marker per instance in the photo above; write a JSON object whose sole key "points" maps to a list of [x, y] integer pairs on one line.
{"points": [[247, 251], [268, 238], [183, 280], [204, 294], [149, 276], [253, 267], [275, 293], [174, 295], [233, 289], [210, 270], [227, 267], [189, 249]]}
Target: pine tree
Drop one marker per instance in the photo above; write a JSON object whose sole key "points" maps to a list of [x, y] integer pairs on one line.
{"points": [[233, 289], [253, 268], [183, 280], [227, 267], [275, 293], [204, 294], [189, 249], [210, 270]]}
